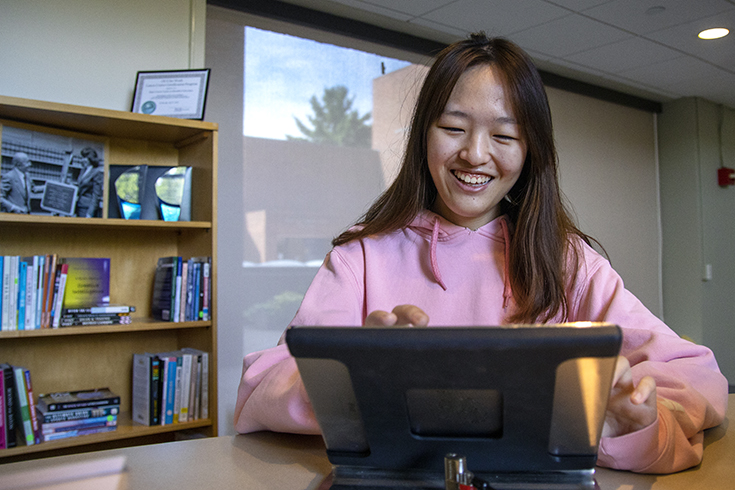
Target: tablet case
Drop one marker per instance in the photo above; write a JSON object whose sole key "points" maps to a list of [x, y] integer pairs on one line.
{"points": [[517, 399]]}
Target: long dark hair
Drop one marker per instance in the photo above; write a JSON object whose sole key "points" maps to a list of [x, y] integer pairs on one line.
{"points": [[543, 252]]}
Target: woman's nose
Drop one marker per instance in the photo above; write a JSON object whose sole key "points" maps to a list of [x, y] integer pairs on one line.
{"points": [[477, 150]]}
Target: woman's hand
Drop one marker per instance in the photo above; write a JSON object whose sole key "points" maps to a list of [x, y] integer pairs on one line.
{"points": [[402, 315], [630, 408]]}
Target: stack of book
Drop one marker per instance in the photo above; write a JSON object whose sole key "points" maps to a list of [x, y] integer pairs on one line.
{"points": [[43, 291], [182, 289], [170, 387], [96, 315], [77, 413], [19, 424]]}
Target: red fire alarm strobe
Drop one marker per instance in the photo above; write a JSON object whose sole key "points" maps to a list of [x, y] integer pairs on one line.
{"points": [[725, 176]]}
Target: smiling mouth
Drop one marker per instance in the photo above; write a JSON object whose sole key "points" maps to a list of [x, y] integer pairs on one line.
{"points": [[471, 179]]}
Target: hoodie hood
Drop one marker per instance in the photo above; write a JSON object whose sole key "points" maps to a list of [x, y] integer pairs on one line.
{"points": [[438, 230]]}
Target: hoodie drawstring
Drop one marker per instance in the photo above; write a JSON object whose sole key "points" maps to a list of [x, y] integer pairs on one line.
{"points": [[507, 293], [432, 255]]}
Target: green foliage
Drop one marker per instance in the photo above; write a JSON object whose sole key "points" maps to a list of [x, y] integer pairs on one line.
{"points": [[335, 122]]}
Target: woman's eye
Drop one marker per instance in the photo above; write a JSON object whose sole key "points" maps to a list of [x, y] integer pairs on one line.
{"points": [[451, 129], [505, 137]]}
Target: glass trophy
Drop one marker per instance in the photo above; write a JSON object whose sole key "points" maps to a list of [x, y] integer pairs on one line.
{"points": [[173, 192], [129, 187]]}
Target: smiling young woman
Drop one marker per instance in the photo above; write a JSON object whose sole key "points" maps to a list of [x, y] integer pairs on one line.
{"points": [[473, 231]]}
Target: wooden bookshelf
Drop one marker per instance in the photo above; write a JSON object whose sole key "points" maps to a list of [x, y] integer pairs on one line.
{"points": [[101, 356]]}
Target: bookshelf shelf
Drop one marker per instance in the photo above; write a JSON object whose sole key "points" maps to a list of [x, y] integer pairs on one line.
{"points": [[136, 326], [77, 358], [105, 222], [126, 431]]}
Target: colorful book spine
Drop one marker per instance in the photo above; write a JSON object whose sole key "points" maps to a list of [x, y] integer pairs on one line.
{"points": [[9, 382], [39, 289], [77, 414], [3, 426], [21, 301], [100, 310], [13, 307], [59, 297], [207, 295], [106, 421], [48, 294], [77, 432], [170, 390], [35, 424], [6, 293], [108, 320], [23, 414]]}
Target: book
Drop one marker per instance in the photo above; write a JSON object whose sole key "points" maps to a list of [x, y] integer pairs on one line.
{"points": [[195, 308], [9, 408], [66, 425], [3, 428], [39, 289], [203, 378], [48, 294], [163, 285], [169, 390], [207, 294], [146, 377], [59, 295], [182, 290], [67, 400], [20, 325], [22, 411], [46, 417], [186, 367], [87, 282], [94, 316], [31, 292], [177, 290], [77, 432], [35, 423], [6, 294], [13, 305], [100, 309], [177, 388], [81, 322]]}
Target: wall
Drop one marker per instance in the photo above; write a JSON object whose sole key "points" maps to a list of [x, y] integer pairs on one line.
{"points": [[609, 174], [698, 218], [88, 52]]}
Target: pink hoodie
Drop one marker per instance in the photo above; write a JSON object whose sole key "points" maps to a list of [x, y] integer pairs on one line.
{"points": [[457, 276]]}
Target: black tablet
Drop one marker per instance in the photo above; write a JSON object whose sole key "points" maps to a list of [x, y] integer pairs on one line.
{"points": [[511, 399]]}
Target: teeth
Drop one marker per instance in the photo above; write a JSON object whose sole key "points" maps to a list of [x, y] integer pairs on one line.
{"points": [[471, 179]]}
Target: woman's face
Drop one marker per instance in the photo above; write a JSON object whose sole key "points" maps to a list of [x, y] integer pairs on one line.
{"points": [[475, 150]]}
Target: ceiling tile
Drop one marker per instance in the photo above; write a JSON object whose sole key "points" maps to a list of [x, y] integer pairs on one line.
{"points": [[409, 7], [568, 35], [500, 17], [578, 5], [624, 55], [681, 75], [604, 79], [639, 16]]}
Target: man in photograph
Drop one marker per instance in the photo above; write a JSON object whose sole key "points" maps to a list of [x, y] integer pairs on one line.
{"points": [[15, 186]]}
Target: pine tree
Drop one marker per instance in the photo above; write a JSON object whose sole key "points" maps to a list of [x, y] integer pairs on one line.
{"points": [[335, 122]]}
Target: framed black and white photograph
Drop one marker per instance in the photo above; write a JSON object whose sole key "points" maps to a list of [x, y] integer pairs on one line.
{"points": [[181, 94], [51, 172]]}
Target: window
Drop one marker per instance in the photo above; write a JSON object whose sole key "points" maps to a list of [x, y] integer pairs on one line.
{"points": [[320, 136]]}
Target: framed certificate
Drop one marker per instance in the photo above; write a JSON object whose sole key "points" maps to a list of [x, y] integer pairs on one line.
{"points": [[181, 94]]}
